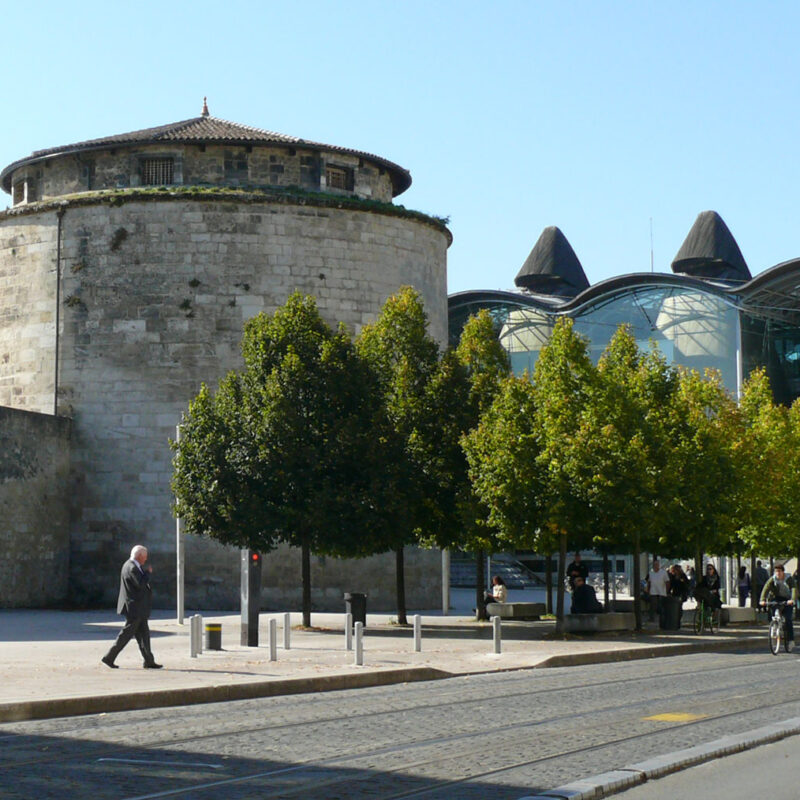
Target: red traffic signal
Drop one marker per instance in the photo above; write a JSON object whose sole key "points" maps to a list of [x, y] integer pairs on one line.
{"points": [[254, 558]]}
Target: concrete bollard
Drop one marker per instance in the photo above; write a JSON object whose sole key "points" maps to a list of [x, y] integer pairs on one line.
{"points": [[348, 631], [496, 634], [417, 633], [273, 640], [287, 631], [359, 626]]}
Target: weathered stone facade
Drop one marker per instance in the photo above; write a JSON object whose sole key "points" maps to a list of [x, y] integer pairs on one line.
{"points": [[34, 509], [114, 308]]}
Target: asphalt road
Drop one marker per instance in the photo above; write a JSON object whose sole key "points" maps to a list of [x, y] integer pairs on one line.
{"points": [[501, 735]]}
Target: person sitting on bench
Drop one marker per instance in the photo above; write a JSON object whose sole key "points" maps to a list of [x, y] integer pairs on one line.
{"points": [[584, 600]]}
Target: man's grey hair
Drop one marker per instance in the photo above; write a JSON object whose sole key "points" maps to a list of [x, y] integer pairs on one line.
{"points": [[136, 550]]}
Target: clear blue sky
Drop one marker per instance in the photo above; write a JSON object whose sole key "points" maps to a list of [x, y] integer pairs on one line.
{"points": [[511, 116]]}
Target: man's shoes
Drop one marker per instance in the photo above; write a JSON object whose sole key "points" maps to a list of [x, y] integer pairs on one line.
{"points": [[109, 663], [153, 665]]}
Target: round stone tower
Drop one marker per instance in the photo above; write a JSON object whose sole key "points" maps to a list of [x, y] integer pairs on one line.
{"points": [[128, 266]]}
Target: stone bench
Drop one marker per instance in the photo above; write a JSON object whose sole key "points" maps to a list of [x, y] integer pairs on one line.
{"points": [[515, 610], [599, 623], [734, 614]]}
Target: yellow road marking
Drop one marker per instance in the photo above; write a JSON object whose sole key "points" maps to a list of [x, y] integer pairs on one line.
{"points": [[676, 717]]}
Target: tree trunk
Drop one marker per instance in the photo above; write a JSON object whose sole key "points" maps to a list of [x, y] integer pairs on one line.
{"points": [[636, 589], [306, 555], [480, 586], [548, 583], [400, 573], [606, 567], [562, 569]]}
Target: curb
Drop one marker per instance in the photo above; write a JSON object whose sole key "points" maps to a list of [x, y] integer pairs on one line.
{"points": [[609, 783], [21, 711], [97, 704]]}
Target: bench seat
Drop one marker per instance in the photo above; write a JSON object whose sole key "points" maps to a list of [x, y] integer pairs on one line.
{"points": [[515, 610], [598, 623]]}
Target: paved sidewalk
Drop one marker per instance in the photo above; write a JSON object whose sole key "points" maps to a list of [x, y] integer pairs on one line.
{"points": [[50, 664]]}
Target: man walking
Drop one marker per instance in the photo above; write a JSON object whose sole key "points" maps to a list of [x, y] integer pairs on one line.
{"points": [[657, 583], [135, 598]]}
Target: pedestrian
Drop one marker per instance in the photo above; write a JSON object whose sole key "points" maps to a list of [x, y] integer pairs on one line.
{"points": [[692, 579], [781, 587], [743, 586], [760, 578], [135, 601], [657, 582], [678, 588], [575, 568]]}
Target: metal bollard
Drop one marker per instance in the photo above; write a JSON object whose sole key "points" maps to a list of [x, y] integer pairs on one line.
{"points": [[359, 626], [348, 631], [195, 635], [417, 633], [273, 640], [287, 631], [496, 633]]}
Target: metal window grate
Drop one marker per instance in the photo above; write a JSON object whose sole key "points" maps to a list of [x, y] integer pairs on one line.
{"points": [[157, 171], [339, 178]]}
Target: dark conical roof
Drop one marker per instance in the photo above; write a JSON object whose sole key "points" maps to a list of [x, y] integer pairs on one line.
{"points": [[710, 251], [552, 267]]}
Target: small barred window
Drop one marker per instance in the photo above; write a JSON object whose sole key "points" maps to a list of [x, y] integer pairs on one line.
{"points": [[339, 178], [19, 193], [157, 171]]}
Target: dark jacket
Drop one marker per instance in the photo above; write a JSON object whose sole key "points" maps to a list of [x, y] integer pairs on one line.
{"points": [[135, 594], [584, 601]]}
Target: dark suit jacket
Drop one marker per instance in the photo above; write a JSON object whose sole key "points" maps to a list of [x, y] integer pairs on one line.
{"points": [[135, 595]]}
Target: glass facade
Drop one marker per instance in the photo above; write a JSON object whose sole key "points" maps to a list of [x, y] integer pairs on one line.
{"points": [[690, 325]]}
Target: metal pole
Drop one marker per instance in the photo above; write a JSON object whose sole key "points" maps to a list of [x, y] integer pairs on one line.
{"points": [[273, 640], [445, 582], [417, 633], [496, 634], [359, 626], [287, 631], [348, 631], [179, 557]]}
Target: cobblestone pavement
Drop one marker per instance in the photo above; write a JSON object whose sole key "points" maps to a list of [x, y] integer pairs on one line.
{"points": [[501, 735]]}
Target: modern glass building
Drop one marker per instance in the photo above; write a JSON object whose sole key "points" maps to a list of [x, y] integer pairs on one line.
{"points": [[709, 312]]}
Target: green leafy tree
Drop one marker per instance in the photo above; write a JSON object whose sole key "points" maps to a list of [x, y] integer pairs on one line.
{"points": [[563, 383], [487, 364], [404, 359], [286, 451]]}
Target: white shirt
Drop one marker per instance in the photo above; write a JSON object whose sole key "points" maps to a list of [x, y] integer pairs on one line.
{"points": [[658, 583]]}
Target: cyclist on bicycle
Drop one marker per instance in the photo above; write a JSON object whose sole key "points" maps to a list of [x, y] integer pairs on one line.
{"points": [[781, 588]]}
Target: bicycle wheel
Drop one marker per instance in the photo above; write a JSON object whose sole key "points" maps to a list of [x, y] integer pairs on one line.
{"points": [[699, 613], [713, 620], [775, 637]]}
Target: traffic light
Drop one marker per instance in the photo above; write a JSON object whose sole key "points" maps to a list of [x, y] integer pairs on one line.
{"points": [[251, 596]]}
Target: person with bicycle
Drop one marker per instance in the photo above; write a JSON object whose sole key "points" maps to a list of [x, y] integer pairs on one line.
{"points": [[707, 589], [781, 588]]}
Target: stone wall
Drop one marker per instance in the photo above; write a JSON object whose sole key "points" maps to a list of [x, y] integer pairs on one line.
{"points": [[153, 298], [207, 165], [28, 311], [34, 509]]}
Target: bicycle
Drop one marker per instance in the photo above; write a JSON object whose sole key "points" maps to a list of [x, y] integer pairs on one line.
{"points": [[777, 628], [705, 617]]}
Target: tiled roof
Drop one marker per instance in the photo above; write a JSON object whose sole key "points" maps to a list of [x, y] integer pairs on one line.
{"points": [[206, 129]]}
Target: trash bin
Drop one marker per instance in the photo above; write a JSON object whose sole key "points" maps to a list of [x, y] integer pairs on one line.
{"points": [[670, 613], [356, 604], [213, 636]]}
